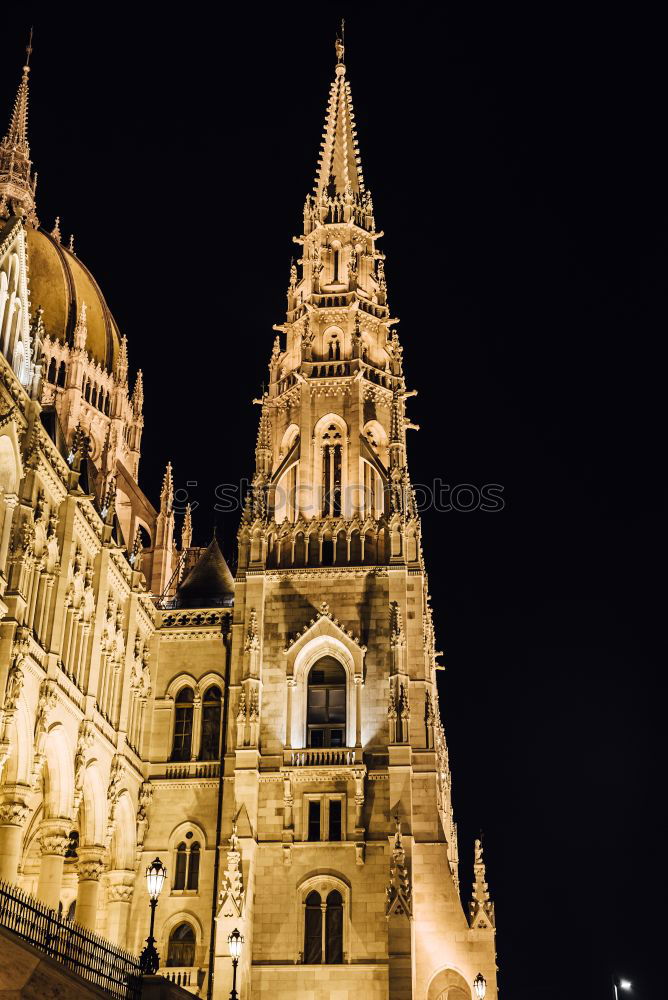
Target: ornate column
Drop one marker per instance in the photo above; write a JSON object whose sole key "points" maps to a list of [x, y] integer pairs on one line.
{"points": [[54, 839], [119, 900], [358, 709], [197, 724], [288, 720], [90, 868], [13, 815], [11, 501]]}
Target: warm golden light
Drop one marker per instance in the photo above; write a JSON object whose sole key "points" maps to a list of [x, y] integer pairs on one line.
{"points": [[235, 941], [480, 986], [156, 873]]}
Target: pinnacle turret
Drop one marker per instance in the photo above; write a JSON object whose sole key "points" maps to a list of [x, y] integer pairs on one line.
{"points": [[17, 184], [398, 891], [167, 491], [138, 394], [122, 362], [81, 329], [187, 530], [481, 908]]}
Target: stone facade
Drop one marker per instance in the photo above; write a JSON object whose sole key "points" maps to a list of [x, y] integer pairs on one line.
{"points": [[134, 670]]}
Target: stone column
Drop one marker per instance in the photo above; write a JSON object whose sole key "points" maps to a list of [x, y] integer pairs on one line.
{"points": [[11, 501], [197, 726], [54, 840], [358, 710], [90, 868], [12, 817], [288, 717], [119, 900]]}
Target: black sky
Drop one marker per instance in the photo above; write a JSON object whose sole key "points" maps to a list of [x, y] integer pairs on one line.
{"points": [[519, 169]]}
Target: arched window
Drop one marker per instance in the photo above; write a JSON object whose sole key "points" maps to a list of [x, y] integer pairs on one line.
{"points": [[326, 709], [181, 950], [313, 929], [181, 866], [334, 928], [193, 867], [61, 374], [51, 375], [211, 708], [186, 865], [332, 446], [183, 725], [323, 929]]}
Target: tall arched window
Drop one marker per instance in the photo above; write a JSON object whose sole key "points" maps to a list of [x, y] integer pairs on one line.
{"points": [[181, 866], [211, 707], [186, 865], [181, 949], [192, 881], [313, 929], [326, 709], [183, 724], [323, 929], [334, 928], [51, 374], [332, 447], [62, 371]]}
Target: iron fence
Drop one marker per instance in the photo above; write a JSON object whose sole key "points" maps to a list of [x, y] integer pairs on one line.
{"points": [[91, 957]]}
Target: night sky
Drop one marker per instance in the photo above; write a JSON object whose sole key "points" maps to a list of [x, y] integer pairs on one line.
{"points": [[519, 169]]}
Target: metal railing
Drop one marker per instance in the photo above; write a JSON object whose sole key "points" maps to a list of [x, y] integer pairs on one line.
{"points": [[91, 957]]}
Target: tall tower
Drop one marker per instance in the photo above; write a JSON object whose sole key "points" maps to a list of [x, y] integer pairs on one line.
{"points": [[342, 863]]}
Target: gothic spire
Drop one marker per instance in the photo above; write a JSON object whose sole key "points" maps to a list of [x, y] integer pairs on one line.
{"points": [[187, 530], [81, 329], [339, 167], [122, 362], [17, 184], [481, 909], [167, 491], [138, 394]]}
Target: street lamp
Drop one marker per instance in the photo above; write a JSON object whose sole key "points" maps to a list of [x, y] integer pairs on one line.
{"points": [[480, 986], [622, 984], [149, 960], [235, 941]]}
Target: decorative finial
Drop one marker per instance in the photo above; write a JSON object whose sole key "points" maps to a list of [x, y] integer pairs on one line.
{"points": [[71, 243], [28, 51], [340, 45], [55, 232]]}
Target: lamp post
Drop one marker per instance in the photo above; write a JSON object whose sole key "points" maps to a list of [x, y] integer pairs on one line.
{"points": [[620, 984], [149, 960], [235, 941], [480, 986]]}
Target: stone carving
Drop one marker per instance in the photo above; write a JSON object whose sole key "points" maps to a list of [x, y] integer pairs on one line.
{"points": [[481, 908], [120, 893], [398, 891], [54, 843], [232, 890], [13, 813], [114, 791], [84, 743]]}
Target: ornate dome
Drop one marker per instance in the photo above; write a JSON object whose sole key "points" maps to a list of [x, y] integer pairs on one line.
{"points": [[60, 283]]}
